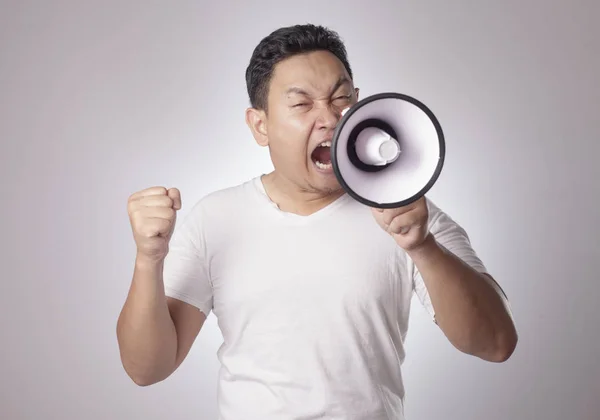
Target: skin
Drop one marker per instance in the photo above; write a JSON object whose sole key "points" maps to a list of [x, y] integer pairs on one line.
{"points": [[154, 333], [305, 103], [306, 97], [470, 308]]}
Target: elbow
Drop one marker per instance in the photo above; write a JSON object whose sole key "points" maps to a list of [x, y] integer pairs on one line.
{"points": [[142, 376], [504, 348], [498, 348], [142, 370], [143, 380]]}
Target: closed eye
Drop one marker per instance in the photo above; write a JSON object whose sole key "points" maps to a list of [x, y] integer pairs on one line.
{"points": [[343, 98]]}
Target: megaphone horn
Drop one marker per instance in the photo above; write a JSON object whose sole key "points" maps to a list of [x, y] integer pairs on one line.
{"points": [[388, 150]]}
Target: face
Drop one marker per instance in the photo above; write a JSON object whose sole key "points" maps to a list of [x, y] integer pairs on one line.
{"points": [[306, 97]]}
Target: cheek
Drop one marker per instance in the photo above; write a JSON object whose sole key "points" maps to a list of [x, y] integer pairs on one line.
{"points": [[299, 125], [292, 132]]}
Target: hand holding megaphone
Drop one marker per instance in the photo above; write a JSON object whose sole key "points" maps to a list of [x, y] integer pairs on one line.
{"points": [[408, 225]]}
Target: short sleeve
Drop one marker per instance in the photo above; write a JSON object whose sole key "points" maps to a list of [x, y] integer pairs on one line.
{"points": [[186, 274], [454, 238]]}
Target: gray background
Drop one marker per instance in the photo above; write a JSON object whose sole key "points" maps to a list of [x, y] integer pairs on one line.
{"points": [[101, 99]]}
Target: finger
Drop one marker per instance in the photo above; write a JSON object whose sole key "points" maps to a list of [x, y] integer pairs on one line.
{"points": [[175, 195], [402, 225], [398, 225], [156, 201], [156, 226], [156, 213], [378, 215], [403, 230], [405, 209], [148, 192], [151, 201], [154, 220], [391, 214]]}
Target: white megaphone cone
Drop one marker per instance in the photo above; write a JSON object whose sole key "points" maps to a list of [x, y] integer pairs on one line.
{"points": [[388, 150], [376, 147]]}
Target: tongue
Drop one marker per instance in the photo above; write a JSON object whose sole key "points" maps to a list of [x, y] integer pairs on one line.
{"points": [[322, 154]]}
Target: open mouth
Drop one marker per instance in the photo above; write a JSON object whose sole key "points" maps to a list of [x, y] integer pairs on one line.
{"points": [[321, 156]]}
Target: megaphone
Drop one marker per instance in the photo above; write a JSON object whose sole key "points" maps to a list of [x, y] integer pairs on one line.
{"points": [[388, 150]]}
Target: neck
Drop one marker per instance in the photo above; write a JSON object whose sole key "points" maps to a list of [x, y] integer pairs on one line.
{"points": [[293, 198]]}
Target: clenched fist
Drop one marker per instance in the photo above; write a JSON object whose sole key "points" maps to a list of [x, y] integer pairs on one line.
{"points": [[408, 225], [152, 213]]}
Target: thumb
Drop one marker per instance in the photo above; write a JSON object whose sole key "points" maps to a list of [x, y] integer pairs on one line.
{"points": [[175, 195], [377, 212], [378, 215]]}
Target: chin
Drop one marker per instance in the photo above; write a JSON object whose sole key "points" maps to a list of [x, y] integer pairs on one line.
{"points": [[324, 179]]}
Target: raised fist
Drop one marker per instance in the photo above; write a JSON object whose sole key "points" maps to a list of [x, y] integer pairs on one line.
{"points": [[152, 213]]}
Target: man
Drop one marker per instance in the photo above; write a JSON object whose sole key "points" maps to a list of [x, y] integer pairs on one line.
{"points": [[311, 289]]}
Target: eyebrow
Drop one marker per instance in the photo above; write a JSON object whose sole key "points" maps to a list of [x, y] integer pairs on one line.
{"points": [[296, 90], [340, 82]]}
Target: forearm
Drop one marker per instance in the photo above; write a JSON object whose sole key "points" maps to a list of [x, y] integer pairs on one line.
{"points": [[145, 331], [469, 310]]}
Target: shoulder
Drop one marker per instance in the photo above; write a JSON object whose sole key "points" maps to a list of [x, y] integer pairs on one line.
{"points": [[435, 212], [439, 220], [219, 204], [445, 229], [223, 198], [453, 236]]}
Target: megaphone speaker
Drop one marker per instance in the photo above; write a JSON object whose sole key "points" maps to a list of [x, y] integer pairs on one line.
{"points": [[388, 150]]}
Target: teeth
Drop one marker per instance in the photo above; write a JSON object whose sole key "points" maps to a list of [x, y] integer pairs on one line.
{"points": [[322, 165]]}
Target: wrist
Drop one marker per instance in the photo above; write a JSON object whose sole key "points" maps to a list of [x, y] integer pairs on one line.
{"points": [[148, 263], [425, 250]]}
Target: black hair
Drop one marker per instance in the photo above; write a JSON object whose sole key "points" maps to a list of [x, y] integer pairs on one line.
{"points": [[284, 43]]}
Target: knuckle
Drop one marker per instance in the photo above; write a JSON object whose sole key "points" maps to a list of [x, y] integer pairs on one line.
{"points": [[158, 189], [161, 201]]}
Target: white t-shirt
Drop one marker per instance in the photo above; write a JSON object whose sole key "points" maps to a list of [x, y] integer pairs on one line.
{"points": [[313, 309]]}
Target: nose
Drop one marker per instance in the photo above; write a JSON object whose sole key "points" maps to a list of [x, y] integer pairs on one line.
{"points": [[328, 117]]}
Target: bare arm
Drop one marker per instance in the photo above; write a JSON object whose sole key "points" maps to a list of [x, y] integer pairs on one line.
{"points": [[155, 333], [470, 308]]}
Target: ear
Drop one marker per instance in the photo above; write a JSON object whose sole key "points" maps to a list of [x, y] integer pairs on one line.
{"points": [[257, 122], [356, 91]]}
